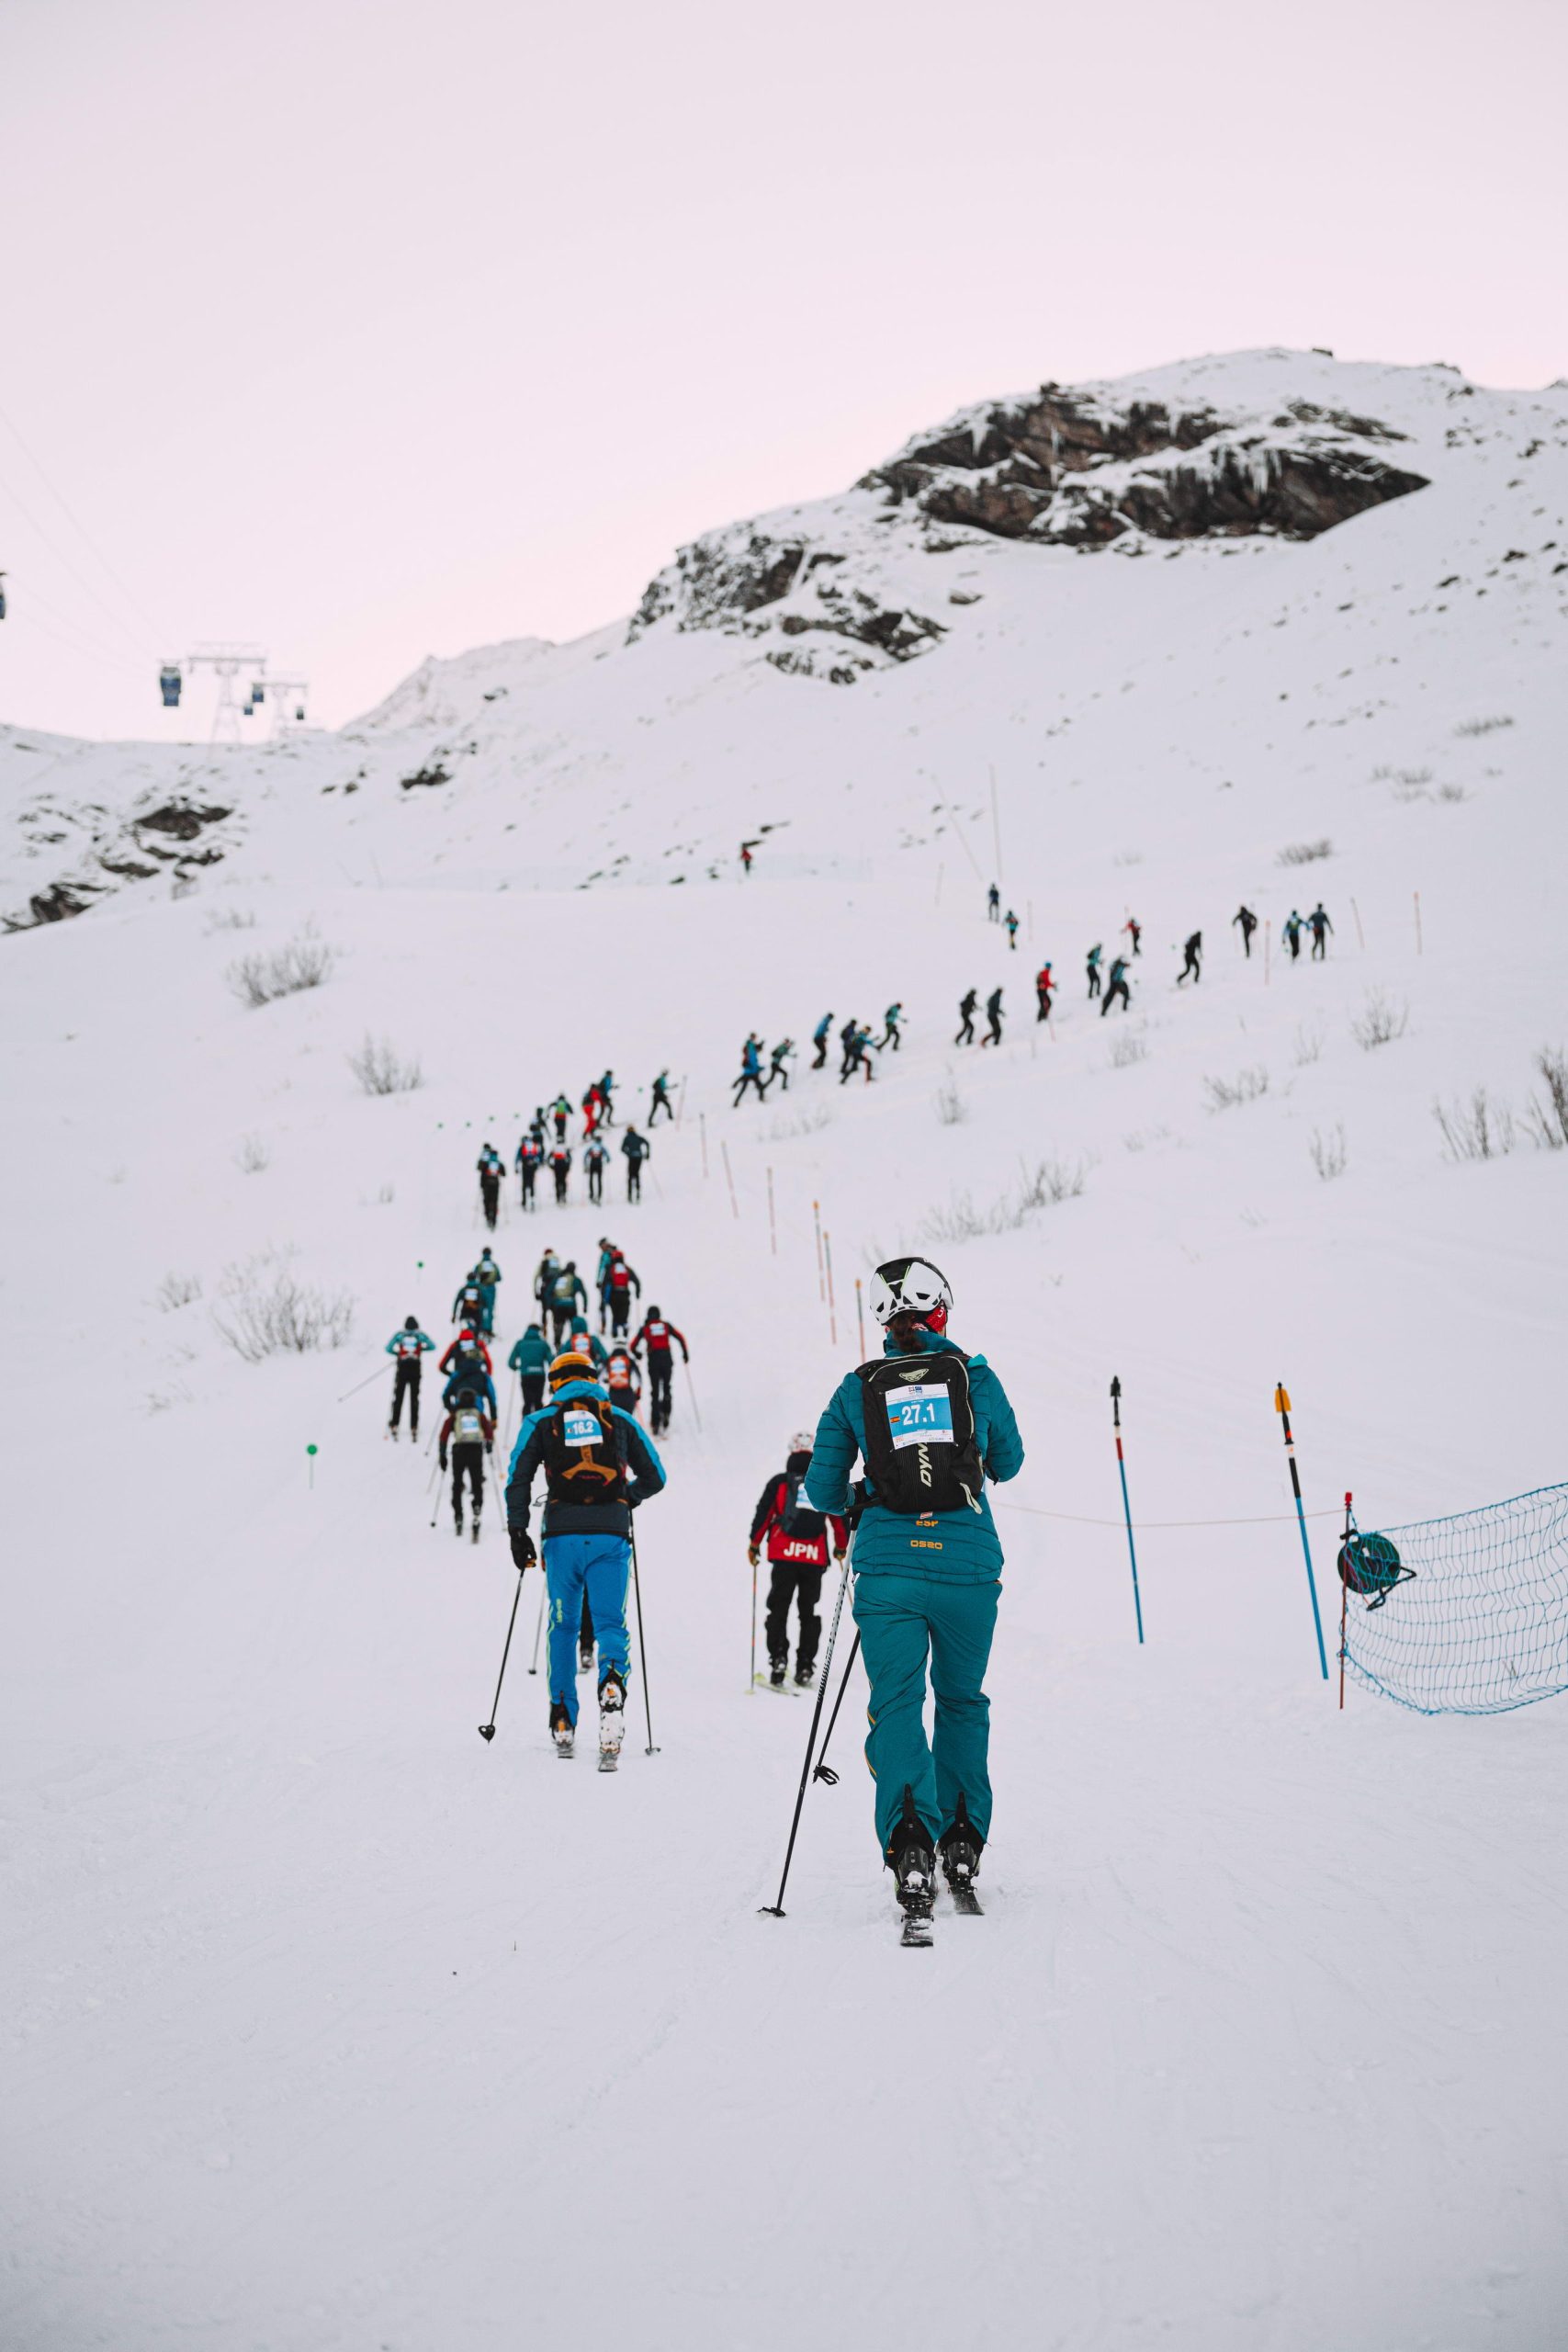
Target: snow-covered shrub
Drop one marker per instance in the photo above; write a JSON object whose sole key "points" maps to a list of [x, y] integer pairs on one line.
{"points": [[267, 1312], [231, 919], [1328, 1153], [1479, 1129], [1309, 1044], [304, 962], [1305, 852], [178, 1290], [1224, 1093], [1452, 792], [951, 1108], [1380, 1018], [381, 1069], [960, 1219], [251, 1154], [1480, 726], [1127, 1046], [1049, 1182], [1547, 1122]]}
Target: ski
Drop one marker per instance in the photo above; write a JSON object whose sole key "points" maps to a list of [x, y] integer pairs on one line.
{"points": [[965, 1902], [564, 1749], [916, 1935], [777, 1689], [609, 1759]]}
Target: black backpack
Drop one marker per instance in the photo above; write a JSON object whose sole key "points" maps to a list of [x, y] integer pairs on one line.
{"points": [[797, 1520], [583, 1453], [920, 1449]]}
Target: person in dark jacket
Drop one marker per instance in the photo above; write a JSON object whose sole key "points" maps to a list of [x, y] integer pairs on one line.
{"points": [[468, 1434], [530, 1360], [1116, 991], [1192, 958], [598, 1466], [796, 1541], [927, 1577], [966, 1017], [819, 1038], [560, 1166], [406, 1346], [635, 1148], [993, 1035], [491, 1169], [1317, 923], [1248, 922]]}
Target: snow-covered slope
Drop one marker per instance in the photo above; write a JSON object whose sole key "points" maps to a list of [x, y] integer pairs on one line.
{"points": [[328, 2024]]}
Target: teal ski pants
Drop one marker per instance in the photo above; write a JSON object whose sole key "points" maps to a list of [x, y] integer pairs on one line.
{"points": [[902, 1620]]}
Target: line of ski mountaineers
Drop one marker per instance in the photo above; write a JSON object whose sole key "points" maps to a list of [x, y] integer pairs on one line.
{"points": [[1109, 984], [929, 1424], [544, 1144]]}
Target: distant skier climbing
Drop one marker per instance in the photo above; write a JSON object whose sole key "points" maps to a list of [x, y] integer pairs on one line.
{"points": [[1319, 926], [469, 1435], [406, 1346], [1291, 932], [1192, 956], [1011, 921], [750, 1068], [635, 1148], [1043, 986], [1117, 991], [819, 1038], [1247, 920], [966, 1017], [530, 1360], [993, 904], [660, 1100], [1134, 930], [491, 1169], [892, 1035], [1093, 968], [993, 1035], [796, 1540], [654, 1339], [776, 1061]]}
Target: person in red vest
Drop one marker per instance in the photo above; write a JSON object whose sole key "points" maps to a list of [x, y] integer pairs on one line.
{"points": [[654, 1339], [622, 1376], [1044, 985], [797, 1539]]}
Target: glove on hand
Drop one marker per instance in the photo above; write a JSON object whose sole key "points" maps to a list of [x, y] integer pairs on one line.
{"points": [[752, 1554], [523, 1552]]}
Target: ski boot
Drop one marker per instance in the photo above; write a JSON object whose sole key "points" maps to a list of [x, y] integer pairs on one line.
{"points": [[804, 1676], [778, 1673], [912, 1860], [585, 1658], [474, 1530], [457, 1527], [611, 1719], [961, 1848], [562, 1729], [392, 1431]]}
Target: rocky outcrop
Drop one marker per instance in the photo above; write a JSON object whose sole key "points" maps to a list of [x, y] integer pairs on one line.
{"points": [[1070, 468], [162, 833], [1064, 467]]}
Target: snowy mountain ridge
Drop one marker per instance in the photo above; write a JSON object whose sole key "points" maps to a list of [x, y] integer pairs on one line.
{"points": [[977, 541]]}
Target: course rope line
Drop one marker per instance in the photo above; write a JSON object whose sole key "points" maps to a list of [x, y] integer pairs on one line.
{"points": [[1466, 1615], [1077, 1518]]}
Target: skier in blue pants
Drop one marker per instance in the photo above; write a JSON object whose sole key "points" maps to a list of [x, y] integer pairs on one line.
{"points": [[930, 1425], [598, 1465]]}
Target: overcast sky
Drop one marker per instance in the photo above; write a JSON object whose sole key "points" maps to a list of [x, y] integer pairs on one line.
{"points": [[364, 329]]}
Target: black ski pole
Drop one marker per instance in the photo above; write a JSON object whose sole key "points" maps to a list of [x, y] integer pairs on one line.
{"points": [[824, 1771], [777, 1909], [642, 1651], [487, 1731]]}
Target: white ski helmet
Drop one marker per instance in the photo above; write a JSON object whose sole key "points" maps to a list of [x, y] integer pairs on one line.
{"points": [[802, 1441], [908, 1286]]}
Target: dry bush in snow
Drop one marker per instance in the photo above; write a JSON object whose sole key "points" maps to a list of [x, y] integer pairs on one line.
{"points": [[1480, 726], [303, 962], [1049, 1182], [231, 919], [1381, 1018], [178, 1290], [1304, 852], [266, 1311], [1224, 1093], [1127, 1046], [1547, 1122], [1043, 1186], [1479, 1129], [251, 1154], [1309, 1044], [951, 1108], [806, 1122], [381, 1069], [1328, 1153]]}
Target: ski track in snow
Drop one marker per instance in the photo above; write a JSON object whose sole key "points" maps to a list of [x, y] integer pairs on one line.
{"points": [[327, 2025]]}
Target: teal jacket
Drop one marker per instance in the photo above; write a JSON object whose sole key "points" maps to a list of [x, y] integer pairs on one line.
{"points": [[532, 1352], [951, 1546], [402, 1342]]}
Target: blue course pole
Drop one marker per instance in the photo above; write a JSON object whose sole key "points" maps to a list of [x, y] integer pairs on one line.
{"points": [[1126, 1505], [1282, 1406]]}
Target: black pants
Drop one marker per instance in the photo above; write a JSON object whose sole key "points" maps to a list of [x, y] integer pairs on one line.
{"points": [[561, 1175], [1319, 948], [1094, 979], [561, 1324], [791, 1581], [748, 1078], [660, 1369], [595, 1182], [890, 1037], [661, 1103], [779, 1071], [468, 1462], [634, 1179], [1247, 932], [489, 1193], [966, 1035], [620, 1308], [993, 1035], [530, 1174], [1117, 988], [533, 1390], [1294, 944], [406, 1383], [1043, 995], [822, 1059], [1190, 966]]}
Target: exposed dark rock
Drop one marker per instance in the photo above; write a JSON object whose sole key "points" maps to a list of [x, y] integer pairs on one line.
{"points": [[423, 778], [62, 900], [181, 818]]}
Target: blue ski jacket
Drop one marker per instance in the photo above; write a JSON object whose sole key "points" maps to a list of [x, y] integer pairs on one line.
{"points": [[951, 1547], [645, 1473], [532, 1352], [479, 1381]]}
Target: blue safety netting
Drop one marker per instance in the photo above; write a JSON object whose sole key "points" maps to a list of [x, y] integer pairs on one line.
{"points": [[1462, 1616]]}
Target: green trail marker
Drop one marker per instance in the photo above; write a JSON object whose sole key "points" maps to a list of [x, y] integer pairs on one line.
{"points": [[311, 1452]]}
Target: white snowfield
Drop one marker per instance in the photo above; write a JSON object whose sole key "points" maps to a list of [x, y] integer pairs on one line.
{"points": [[327, 2025]]}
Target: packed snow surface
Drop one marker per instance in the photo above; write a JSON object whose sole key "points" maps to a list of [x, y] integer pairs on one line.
{"points": [[328, 2025]]}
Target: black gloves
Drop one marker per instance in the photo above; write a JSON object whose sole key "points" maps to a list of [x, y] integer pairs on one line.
{"points": [[523, 1552]]}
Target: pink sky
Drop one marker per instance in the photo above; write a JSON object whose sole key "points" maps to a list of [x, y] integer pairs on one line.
{"points": [[365, 332]]}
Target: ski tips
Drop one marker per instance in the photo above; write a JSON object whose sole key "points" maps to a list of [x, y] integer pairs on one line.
{"points": [[487, 1731]]}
